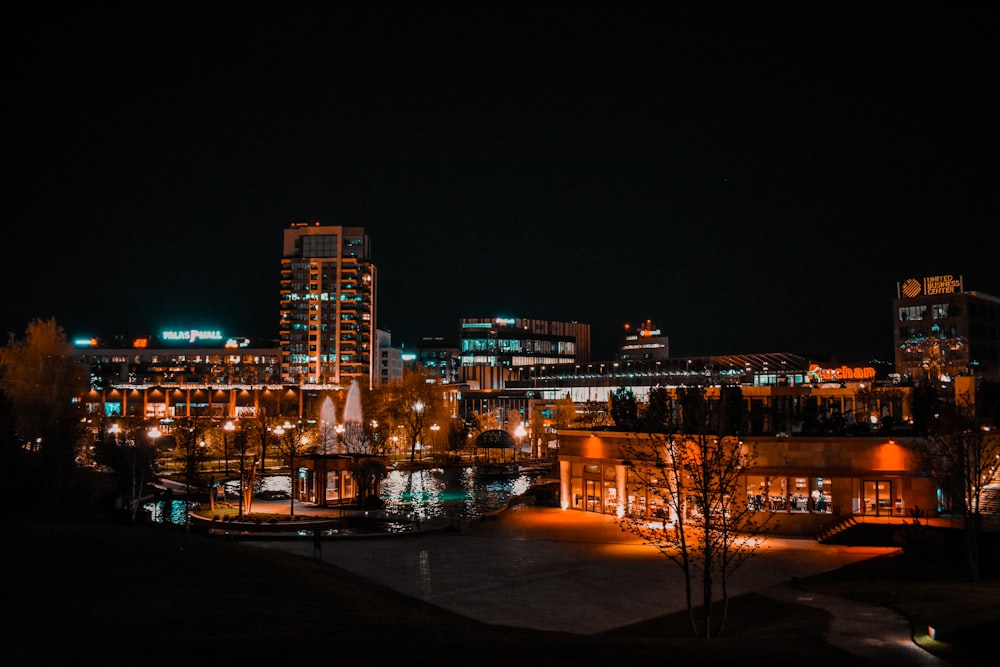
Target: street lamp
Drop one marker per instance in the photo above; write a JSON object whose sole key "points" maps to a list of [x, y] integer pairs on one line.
{"points": [[228, 428], [116, 429], [520, 433], [154, 433], [418, 411], [434, 428]]}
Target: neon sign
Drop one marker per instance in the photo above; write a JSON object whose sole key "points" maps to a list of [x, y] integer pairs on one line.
{"points": [[191, 335], [840, 374]]}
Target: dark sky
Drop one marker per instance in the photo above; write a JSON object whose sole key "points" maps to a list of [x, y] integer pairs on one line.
{"points": [[750, 181]]}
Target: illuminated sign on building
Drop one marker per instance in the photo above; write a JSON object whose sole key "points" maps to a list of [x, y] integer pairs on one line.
{"points": [[191, 335], [841, 374], [930, 285]]}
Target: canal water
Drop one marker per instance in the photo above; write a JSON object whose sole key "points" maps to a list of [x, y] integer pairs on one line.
{"points": [[416, 495]]}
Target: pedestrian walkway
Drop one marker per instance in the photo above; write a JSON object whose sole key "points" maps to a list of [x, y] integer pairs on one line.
{"points": [[868, 631], [579, 572]]}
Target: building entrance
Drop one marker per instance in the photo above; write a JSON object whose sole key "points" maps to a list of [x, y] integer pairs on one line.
{"points": [[878, 497], [593, 494]]}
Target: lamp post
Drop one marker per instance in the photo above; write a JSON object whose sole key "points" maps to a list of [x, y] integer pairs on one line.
{"points": [[434, 430], [227, 428], [116, 430], [279, 431], [154, 433], [520, 433], [418, 412]]}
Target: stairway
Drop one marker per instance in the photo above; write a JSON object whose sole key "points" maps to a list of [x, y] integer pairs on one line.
{"points": [[834, 528]]}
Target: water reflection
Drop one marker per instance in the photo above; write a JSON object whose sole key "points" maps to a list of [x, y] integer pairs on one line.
{"points": [[168, 511], [426, 494], [414, 495]]}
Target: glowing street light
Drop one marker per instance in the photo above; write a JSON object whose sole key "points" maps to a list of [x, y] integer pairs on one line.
{"points": [[227, 428]]}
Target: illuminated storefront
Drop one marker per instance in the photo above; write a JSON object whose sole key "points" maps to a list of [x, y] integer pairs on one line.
{"points": [[808, 481]]}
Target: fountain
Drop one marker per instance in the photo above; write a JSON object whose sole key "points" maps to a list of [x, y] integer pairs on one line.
{"points": [[327, 427], [352, 434]]}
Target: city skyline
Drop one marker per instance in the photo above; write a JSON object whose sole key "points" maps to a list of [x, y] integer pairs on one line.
{"points": [[749, 182]]}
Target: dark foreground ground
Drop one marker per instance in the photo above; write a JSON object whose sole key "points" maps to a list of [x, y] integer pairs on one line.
{"points": [[153, 595]]}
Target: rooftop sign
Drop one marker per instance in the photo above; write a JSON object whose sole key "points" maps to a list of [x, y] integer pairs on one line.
{"points": [[191, 335], [929, 286], [841, 374]]}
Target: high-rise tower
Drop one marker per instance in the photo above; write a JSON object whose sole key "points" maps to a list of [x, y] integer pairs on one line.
{"points": [[328, 294]]}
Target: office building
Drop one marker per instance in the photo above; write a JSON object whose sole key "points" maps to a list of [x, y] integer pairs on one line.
{"points": [[492, 348], [328, 305], [439, 358], [941, 331], [644, 342], [390, 360]]}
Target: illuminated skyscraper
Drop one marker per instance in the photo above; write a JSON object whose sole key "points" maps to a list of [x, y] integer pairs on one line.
{"points": [[327, 329]]}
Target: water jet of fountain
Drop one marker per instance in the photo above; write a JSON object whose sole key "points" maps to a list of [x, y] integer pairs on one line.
{"points": [[353, 431], [327, 427]]}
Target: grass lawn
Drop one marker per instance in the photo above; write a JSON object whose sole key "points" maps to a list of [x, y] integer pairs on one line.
{"points": [[117, 593]]}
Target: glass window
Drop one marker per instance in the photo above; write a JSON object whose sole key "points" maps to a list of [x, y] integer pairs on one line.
{"points": [[821, 496], [798, 498], [765, 493]]}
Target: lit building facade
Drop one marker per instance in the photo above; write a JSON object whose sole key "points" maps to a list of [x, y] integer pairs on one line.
{"points": [[390, 360], [644, 342], [784, 392], [813, 485], [941, 331], [328, 306], [188, 358], [492, 348], [439, 359]]}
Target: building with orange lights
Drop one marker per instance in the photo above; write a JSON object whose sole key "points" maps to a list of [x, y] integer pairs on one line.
{"points": [[941, 331], [811, 483], [327, 328], [644, 342]]}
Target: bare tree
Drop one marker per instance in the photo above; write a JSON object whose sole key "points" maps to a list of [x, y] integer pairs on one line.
{"points": [[694, 508], [247, 459], [962, 450], [189, 437], [539, 435], [413, 402], [125, 447], [293, 440]]}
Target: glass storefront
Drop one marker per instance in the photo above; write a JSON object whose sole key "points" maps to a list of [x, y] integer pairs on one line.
{"points": [[789, 494], [594, 488]]}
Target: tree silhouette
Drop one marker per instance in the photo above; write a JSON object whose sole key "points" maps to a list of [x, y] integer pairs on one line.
{"points": [[962, 451], [42, 383], [697, 515]]}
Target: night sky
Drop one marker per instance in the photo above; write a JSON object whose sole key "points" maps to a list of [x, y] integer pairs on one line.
{"points": [[749, 181]]}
